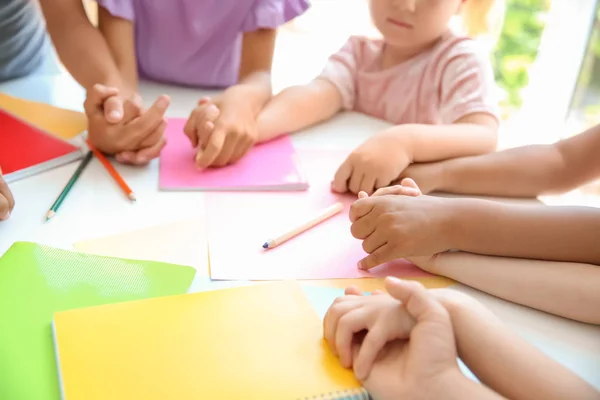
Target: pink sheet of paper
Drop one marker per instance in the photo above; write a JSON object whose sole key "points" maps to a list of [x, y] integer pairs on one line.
{"points": [[268, 166], [238, 224]]}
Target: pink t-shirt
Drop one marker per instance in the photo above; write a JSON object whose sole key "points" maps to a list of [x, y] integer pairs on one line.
{"points": [[447, 82]]}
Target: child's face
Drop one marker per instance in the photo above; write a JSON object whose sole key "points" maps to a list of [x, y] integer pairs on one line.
{"points": [[413, 23]]}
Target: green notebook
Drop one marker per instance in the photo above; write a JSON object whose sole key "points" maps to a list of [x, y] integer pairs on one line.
{"points": [[37, 281]]}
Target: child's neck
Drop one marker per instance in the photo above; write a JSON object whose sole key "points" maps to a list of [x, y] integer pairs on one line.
{"points": [[392, 56]]}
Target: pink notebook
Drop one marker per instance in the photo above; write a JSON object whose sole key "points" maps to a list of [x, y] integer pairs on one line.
{"points": [[270, 166], [238, 224]]}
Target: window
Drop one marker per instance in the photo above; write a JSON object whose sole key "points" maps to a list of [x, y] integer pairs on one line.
{"points": [[584, 109]]}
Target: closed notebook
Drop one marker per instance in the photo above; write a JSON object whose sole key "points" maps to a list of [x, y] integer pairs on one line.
{"points": [[256, 342], [26, 150], [37, 281], [266, 167], [60, 122]]}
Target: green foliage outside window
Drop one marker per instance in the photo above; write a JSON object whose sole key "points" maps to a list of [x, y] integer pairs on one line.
{"points": [[517, 48]]}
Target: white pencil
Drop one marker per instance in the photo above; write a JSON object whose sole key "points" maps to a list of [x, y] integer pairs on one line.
{"points": [[325, 214]]}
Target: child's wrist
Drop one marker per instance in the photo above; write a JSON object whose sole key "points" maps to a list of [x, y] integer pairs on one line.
{"points": [[251, 95], [402, 139], [451, 220]]}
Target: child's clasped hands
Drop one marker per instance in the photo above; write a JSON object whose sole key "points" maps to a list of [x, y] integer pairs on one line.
{"points": [[222, 130], [400, 344], [119, 124]]}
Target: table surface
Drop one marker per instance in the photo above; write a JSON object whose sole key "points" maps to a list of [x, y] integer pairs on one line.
{"points": [[96, 209]]}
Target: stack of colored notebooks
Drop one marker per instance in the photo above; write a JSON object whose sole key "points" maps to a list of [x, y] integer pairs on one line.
{"points": [[26, 150], [78, 326]]}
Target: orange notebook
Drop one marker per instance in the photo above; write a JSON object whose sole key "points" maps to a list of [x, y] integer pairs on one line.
{"points": [[257, 342]]}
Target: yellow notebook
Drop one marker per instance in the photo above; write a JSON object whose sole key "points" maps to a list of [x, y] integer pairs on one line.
{"points": [[259, 342]]}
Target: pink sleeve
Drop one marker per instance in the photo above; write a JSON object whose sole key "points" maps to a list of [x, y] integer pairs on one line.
{"points": [[467, 86], [341, 71], [271, 14], [119, 8]]}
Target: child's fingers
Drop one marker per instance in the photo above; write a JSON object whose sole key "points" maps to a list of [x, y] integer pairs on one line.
{"points": [[352, 291], [126, 157], [204, 100], [154, 136], [419, 302], [4, 208], [205, 122], [382, 255], [149, 153], [339, 307], [190, 130], [396, 190], [131, 111], [372, 344], [150, 119], [5, 191], [151, 146], [408, 182], [368, 183], [229, 147], [242, 148], [350, 323], [355, 180], [113, 109], [207, 156], [7, 202], [95, 98], [362, 195], [342, 175]]}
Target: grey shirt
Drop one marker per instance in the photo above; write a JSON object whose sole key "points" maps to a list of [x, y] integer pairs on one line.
{"points": [[24, 43]]}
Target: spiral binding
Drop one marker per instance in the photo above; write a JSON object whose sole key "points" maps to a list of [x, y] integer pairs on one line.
{"points": [[349, 394]]}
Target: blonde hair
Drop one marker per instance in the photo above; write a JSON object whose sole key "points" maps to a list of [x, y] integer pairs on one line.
{"points": [[483, 17]]}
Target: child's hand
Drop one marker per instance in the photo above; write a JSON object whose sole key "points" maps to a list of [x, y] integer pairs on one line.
{"points": [[373, 165], [421, 366], [134, 135], [7, 202], [223, 131], [393, 227], [427, 175], [407, 187], [384, 318]]}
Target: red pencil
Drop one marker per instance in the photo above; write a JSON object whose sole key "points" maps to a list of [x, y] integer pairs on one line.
{"points": [[112, 171]]}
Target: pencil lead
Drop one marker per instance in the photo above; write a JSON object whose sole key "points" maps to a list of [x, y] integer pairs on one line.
{"points": [[265, 245]]}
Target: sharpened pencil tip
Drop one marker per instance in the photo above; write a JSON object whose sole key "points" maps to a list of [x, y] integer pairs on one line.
{"points": [[50, 215], [265, 245], [132, 197]]}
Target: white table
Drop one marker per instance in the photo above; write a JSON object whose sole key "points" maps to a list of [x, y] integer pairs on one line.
{"points": [[95, 208]]}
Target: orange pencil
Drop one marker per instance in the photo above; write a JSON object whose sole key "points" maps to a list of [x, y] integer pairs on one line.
{"points": [[112, 171]]}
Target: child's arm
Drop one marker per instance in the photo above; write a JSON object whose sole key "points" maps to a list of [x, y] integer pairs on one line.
{"points": [[80, 45], [566, 289], [254, 78], [522, 172], [298, 107], [402, 226], [119, 36], [503, 361], [556, 233], [471, 135]]}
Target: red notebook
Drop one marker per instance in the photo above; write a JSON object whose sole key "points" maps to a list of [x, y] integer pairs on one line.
{"points": [[26, 150]]}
